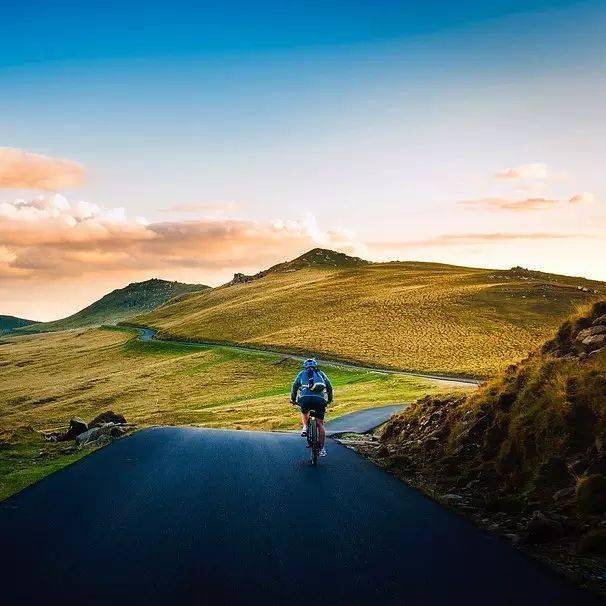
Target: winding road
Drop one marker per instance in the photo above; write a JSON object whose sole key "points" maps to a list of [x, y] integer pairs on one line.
{"points": [[149, 334], [199, 516]]}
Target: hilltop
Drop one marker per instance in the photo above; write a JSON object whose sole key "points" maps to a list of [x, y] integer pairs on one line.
{"points": [[320, 258], [121, 304], [9, 323], [410, 315], [526, 453]]}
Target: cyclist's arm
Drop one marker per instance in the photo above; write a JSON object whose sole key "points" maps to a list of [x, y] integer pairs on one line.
{"points": [[295, 388], [328, 388]]}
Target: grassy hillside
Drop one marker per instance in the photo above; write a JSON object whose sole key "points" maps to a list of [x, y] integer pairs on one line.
{"points": [[526, 453], [8, 323], [417, 316], [121, 304], [47, 379]]}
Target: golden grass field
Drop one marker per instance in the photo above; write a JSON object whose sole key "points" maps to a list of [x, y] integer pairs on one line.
{"points": [[413, 316], [49, 378]]}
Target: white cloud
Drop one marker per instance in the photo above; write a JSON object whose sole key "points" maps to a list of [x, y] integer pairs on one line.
{"points": [[534, 170], [582, 198]]}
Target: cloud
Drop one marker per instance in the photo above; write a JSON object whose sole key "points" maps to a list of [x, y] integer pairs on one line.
{"points": [[474, 239], [52, 237], [24, 170], [583, 198], [525, 204], [200, 207], [534, 170]]}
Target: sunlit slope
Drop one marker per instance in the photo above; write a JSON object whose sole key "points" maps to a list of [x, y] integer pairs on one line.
{"points": [[420, 316]]}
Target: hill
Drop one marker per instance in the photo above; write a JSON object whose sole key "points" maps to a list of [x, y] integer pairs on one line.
{"points": [[8, 323], [121, 304], [526, 453], [415, 316]]}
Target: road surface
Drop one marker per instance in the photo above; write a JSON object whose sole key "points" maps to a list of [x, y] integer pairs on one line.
{"points": [[149, 334], [192, 516], [362, 420]]}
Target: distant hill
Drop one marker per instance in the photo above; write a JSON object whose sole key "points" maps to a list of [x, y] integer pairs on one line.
{"points": [[121, 304], [428, 317], [8, 323]]}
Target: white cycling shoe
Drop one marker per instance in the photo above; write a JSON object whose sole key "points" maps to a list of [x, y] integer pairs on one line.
{"points": [[304, 432], [322, 453]]}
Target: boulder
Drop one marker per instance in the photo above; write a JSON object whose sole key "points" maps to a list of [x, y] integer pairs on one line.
{"points": [[591, 331], [541, 529], [594, 542], [93, 433], [76, 427], [553, 474], [451, 499], [591, 494], [564, 494], [595, 341], [109, 416]]}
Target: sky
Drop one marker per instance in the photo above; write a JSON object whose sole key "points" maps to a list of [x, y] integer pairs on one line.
{"points": [[191, 140]]}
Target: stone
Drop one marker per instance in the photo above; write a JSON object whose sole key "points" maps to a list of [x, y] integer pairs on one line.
{"points": [[595, 341], [590, 332], [597, 466], [541, 529], [76, 427], [452, 498], [564, 494], [594, 542], [600, 320], [554, 474], [591, 494], [94, 433], [109, 416]]}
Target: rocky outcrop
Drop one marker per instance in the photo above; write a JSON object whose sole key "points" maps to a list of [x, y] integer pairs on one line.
{"points": [[100, 434], [582, 337], [525, 455], [103, 428], [109, 416]]}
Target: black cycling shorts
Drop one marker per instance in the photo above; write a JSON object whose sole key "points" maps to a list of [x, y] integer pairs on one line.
{"points": [[315, 404]]}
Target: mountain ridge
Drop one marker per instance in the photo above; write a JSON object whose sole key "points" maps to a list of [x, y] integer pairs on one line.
{"points": [[120, 304], [10, 323]]}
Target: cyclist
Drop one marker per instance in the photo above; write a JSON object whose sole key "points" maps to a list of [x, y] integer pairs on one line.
{"points": [[312, 390]]}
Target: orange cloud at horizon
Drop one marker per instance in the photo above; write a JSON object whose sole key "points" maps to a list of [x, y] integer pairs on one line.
{"points": [[50, 237], [25, 170], [512, 205]]}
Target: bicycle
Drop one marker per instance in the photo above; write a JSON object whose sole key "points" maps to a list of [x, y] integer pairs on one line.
{"points": [[313, 436]]}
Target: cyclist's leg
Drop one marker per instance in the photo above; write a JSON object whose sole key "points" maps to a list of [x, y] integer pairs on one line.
{"points": [[305, 418], [321, 432]]}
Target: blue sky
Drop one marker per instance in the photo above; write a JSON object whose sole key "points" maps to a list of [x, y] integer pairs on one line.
{"points": [[387, 121]]}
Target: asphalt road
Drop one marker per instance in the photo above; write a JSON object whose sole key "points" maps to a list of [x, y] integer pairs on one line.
{"points": [[149, 334], [363, 420], [188, 516]]}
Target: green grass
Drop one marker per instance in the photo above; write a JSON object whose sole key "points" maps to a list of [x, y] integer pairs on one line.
{"points": [[26, 458]]}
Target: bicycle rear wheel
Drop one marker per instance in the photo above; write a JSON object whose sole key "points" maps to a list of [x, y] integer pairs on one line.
{"points": [[314, 440]]}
